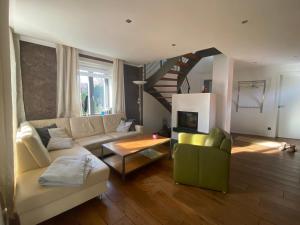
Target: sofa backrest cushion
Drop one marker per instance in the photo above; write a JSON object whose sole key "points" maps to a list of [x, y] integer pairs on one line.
{"points": [[60, 122], [192, 139], [34, 146], [111, 122], [86, 126], [214, 138]]}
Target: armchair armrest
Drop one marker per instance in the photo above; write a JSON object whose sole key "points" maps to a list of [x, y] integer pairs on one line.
{"points": [[139, 128]]}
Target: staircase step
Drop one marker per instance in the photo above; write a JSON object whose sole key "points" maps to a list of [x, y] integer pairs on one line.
{"points": [[159, 92], [191, 56], [175, 72], [182, 64], [169, 79], [165, 85]]}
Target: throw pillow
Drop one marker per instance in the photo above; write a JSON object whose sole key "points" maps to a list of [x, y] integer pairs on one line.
{"points": [[133, 123], [124, 126], [56, 143], [58, 133], [44, 133]]}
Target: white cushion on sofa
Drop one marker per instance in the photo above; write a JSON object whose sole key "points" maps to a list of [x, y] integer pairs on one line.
{"points": [[111, 122], [31, 195], [86, 126], [75, 150], [120, 135], [93, 142]]}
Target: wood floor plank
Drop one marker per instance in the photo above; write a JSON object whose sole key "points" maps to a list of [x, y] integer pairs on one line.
{"points": [[264, 190]]}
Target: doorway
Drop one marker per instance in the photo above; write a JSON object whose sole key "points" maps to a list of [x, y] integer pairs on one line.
{"points": [[289, 107]]}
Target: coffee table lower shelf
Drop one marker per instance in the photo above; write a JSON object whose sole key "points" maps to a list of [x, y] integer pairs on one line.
{"points": [[127, 164]]}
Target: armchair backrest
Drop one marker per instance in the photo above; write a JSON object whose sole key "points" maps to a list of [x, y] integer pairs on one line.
{"points": [[216, 138], [192, 139]]}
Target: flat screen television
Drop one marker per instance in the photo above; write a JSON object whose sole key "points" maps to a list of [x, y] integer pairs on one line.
{"points": [[187, 120]]}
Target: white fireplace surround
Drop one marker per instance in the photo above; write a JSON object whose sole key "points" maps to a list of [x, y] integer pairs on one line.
{"points": [[202, 103]]}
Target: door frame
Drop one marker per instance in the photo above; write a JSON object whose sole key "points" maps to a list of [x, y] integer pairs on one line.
{"points": [[278, 94]]}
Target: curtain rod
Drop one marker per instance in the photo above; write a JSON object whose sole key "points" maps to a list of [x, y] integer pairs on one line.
{"points": [[95, 58]]}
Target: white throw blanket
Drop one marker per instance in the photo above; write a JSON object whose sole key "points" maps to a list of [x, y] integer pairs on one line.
{"points": [[67, 171]]}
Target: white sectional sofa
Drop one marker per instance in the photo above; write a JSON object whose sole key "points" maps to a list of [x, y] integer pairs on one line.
{"points": [[35, 203]]}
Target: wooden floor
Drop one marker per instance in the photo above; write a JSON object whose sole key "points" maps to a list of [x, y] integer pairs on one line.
{"points": [[264, 190]]}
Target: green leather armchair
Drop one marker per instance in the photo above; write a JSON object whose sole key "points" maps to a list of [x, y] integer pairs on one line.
{"points": [[203, 160]]}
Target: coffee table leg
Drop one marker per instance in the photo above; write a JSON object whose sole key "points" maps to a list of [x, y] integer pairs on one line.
{"points": [[123, 168]]}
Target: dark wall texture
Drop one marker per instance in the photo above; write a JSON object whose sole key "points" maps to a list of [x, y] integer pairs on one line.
{"points": [[38, 67], [132, 73]]}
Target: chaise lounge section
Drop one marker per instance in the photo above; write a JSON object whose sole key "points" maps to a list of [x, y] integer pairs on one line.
{"points": [[35, 203]]}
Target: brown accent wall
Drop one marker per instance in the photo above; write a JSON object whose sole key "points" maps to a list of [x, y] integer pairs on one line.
{"points": [[132, 73], [38, 66]]}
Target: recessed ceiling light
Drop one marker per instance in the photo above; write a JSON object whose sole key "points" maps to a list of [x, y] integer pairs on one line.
{"points": [[244, 21], [128, 21], [173, 45]]}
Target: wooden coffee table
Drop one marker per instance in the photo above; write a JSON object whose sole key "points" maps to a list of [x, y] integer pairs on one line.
{"points": [[133, 153]]}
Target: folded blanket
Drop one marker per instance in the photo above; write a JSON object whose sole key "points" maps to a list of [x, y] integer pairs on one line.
{"points": [[67, 171]]}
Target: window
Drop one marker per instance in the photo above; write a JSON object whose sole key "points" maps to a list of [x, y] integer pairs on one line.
{"points": [[95, 87]]}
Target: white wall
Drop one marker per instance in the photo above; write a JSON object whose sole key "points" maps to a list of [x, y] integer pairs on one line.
{"points": [[222, 87], [200, 72], [197, 81], [154, 113], [251, 121], [202, 103]]}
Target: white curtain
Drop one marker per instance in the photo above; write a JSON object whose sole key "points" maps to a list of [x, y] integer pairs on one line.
{"points": [[118, 95], [16, 78], [7, 181], [68, 98]]}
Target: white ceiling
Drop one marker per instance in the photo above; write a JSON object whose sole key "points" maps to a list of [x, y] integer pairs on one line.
{"points": [[271, 36]]}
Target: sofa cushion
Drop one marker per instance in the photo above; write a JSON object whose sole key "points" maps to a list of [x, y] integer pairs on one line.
{"points": [[120, 135], [34, 145], [75, 150], [60, 122], [25, 161], [192, 139], [214, 138], [111, 122], [31, 195], [93, 142], [86, 126]]}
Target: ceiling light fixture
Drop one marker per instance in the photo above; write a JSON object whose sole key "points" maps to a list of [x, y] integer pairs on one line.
{"points": [[245, 21], [128, 21], [173, 45]]}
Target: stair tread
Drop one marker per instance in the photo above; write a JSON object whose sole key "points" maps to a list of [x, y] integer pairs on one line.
{"points": [[164, 97], [182, 64], [191, 56], [153, 92], [174, 72], [164, 85], [169, 79]]}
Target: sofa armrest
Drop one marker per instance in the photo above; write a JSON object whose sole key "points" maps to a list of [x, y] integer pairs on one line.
{"points": [[139, 128]]}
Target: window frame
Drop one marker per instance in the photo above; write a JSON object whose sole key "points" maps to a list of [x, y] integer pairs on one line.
{"points": [[91, 70]]}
